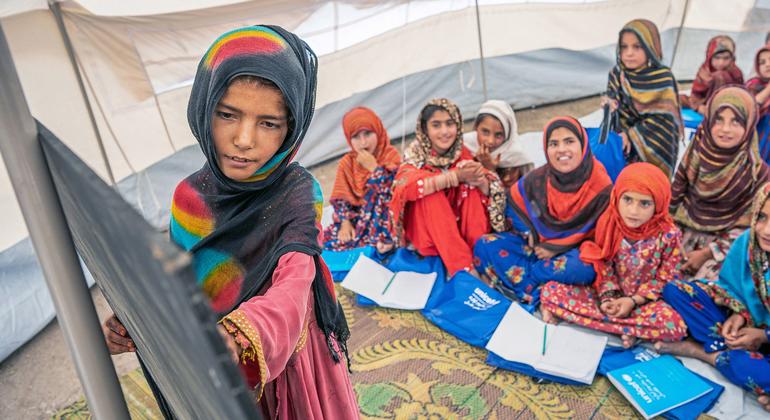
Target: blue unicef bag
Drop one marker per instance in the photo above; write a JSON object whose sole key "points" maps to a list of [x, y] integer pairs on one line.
{"points": [[607, 146], [466, 308], [617, 357]]}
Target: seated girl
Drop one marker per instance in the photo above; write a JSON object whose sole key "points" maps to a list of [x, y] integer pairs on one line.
{"points": [[443, 200], [758, 85], [716, 181], [362, 187], [718, 70], [495, 142], [648, 116], [729, 320], [635, 253], [552, 210]]}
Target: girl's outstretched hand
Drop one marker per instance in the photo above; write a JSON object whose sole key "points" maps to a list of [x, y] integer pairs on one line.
{"points": [[116, 336], [235, 351]]}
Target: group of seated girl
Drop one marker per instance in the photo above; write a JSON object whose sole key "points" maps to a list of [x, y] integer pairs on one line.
{"points": [[647, 258]]}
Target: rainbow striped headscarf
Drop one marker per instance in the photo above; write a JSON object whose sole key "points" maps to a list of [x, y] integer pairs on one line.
{"points": [[264, 51], [238, 230]]}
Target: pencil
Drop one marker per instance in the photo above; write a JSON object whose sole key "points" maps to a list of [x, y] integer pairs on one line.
{"points": [[389, 283], [545, 333]]}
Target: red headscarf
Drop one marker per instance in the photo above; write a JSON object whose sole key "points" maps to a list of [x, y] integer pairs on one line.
{"points": [[708, 78], [643, 178], [350, 183], [757, 83]]}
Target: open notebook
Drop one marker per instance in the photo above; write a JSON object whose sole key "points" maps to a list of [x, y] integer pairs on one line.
{"points": [[558, 350], [401, 290]]}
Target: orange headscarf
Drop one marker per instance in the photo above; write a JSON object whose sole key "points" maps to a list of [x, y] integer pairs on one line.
{"points": [[643, 178], [350, 183]]}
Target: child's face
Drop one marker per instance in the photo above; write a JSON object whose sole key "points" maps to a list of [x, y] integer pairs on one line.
{"points": [[442, 131], [721, 60], [636, 208], [763, 227], [490, 132], [249, 125], [632, 53], [564, 150], [764, 64], [364, 140], [727, 131]]}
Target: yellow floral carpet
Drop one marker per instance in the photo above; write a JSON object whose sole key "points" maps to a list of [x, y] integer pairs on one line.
{"points": [[404, 367]]}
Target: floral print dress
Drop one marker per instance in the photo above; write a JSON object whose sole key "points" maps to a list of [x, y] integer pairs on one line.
{"points": [[642, 268], [371, 221]]}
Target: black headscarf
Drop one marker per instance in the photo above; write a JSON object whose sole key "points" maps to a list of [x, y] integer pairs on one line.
{"points": [[238, 230]]}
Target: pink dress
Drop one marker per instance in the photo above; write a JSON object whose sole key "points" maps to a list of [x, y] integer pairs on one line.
{"points": [[285, 357], [641, 269]]}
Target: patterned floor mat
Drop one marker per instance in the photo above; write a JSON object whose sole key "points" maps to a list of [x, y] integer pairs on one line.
{"points": [[404, 367]]}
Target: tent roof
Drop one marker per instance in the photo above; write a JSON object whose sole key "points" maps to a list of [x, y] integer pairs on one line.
{"points": [[116, 7]]}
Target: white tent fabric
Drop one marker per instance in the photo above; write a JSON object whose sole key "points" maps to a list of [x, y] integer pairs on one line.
{"points": [[138, 60]]}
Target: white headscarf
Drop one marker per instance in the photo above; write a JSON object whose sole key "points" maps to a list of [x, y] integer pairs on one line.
{"points": [[510, 151]]}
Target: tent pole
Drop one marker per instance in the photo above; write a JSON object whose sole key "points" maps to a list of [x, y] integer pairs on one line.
{"points": [[481, 52], [336, 26], [679, 33], [403, 114], [43, 214], [56, 10]]}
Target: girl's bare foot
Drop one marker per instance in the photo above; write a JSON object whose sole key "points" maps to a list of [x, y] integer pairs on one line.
{"points": [[548, 317], [483, 277], [687, 348], [628, 341], [764, 400]]}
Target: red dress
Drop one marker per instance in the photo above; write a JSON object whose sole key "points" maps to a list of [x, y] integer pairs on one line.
{"points": [[446, 223]]}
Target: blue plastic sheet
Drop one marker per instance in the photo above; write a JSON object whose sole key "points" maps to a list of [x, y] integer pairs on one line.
{"points": [[471, 311]]}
